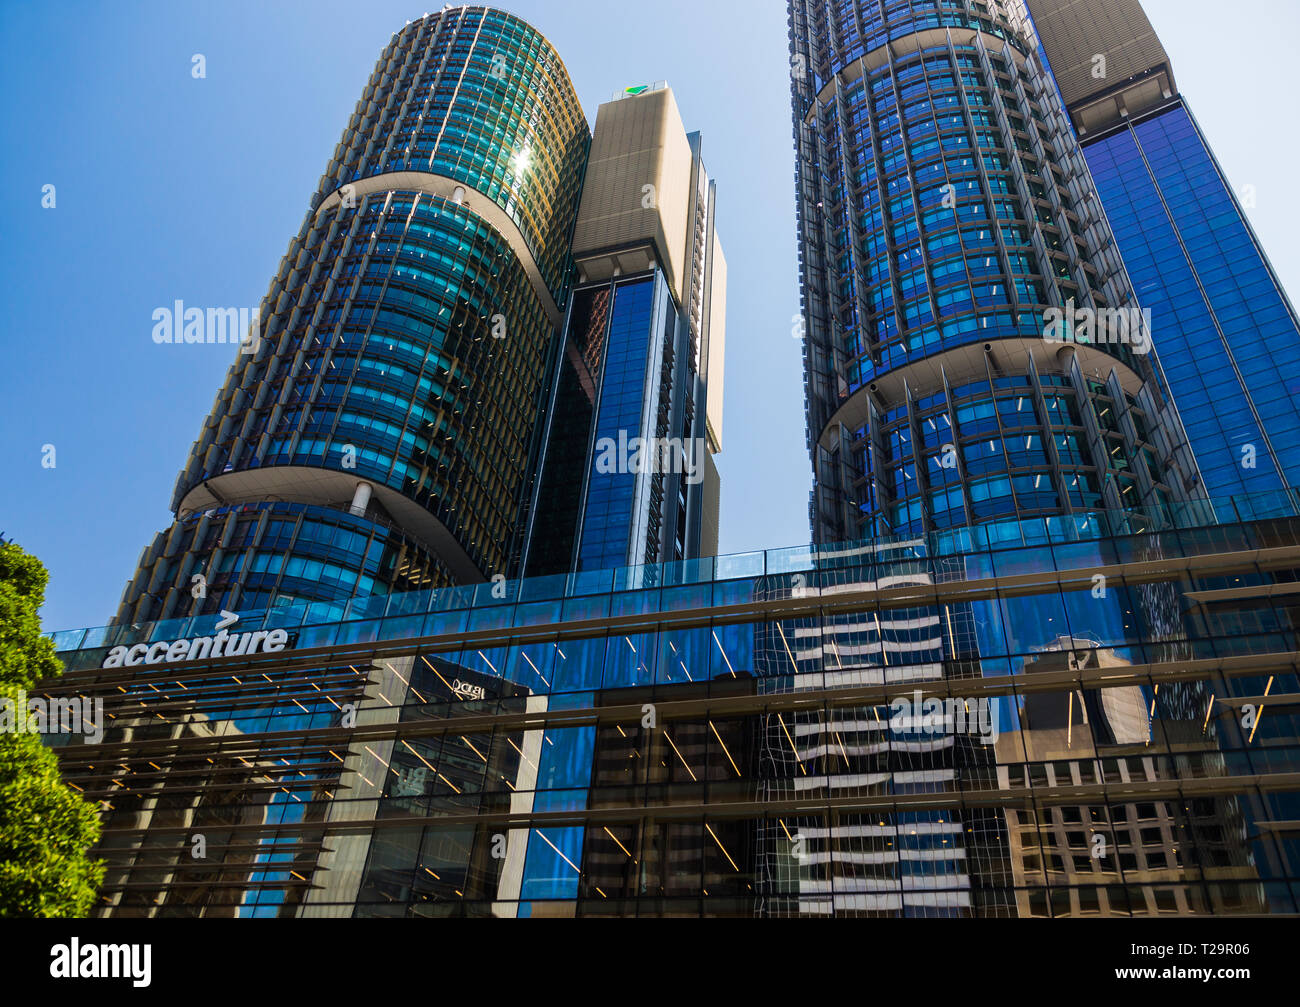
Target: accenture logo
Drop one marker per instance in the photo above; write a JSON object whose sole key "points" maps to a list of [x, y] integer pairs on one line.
{"points": [[198, 648]]}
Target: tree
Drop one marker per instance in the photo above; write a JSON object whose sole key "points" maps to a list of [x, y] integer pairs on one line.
{"points": [[45, 827]]}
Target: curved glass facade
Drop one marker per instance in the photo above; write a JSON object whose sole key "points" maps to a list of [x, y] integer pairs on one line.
{"points": [[862, 28], [481, 97], [412, 390], [944, 212], [403, 346], [1000, 449], [256, 554]]}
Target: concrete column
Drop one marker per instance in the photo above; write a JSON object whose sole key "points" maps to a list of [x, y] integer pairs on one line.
{"points": [[360, 498]]}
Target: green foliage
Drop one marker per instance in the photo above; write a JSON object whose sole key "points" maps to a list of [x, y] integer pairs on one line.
{"points": [[45, 828], [45, 831], [25, 656]]}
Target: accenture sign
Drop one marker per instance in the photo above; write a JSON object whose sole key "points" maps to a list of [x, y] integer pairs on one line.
{"points": [[220, 644]]}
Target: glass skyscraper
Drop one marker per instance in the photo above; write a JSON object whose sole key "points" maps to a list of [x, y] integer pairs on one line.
{"points": [[1226, 334], [412, 375], [379, 435], [976, 357], [627, 473], [944, 210]]}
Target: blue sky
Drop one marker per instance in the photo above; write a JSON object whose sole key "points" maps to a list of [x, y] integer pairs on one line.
{"points": [[173, 188]]}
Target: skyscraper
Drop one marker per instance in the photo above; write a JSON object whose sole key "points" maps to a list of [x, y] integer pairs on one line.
{"points": [[379, 436], [1226, 334], [944, 213], [977, 364], [385, 427], [636, 412]]}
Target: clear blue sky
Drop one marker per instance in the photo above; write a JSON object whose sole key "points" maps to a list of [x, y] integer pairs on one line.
{"points": [[174, 188]]}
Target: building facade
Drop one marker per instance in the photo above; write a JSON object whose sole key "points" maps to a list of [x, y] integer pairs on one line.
{"points": [[377, 433], [948, 724], [1226, 334], [973, 350], [635, 417], [1026, 669], [419, 361]]}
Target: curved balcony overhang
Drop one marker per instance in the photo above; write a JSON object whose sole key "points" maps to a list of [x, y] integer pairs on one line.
{"points": [[305, 484], [973, 362], [908, 45], [485, 207]]}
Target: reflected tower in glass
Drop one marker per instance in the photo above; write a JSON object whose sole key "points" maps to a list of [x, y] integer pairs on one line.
{"points": [[377, 432]]}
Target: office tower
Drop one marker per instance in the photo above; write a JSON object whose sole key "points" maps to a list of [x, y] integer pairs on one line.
{"points": [[379, 433], [1224, 330], [635, 417], [946, 226]]}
